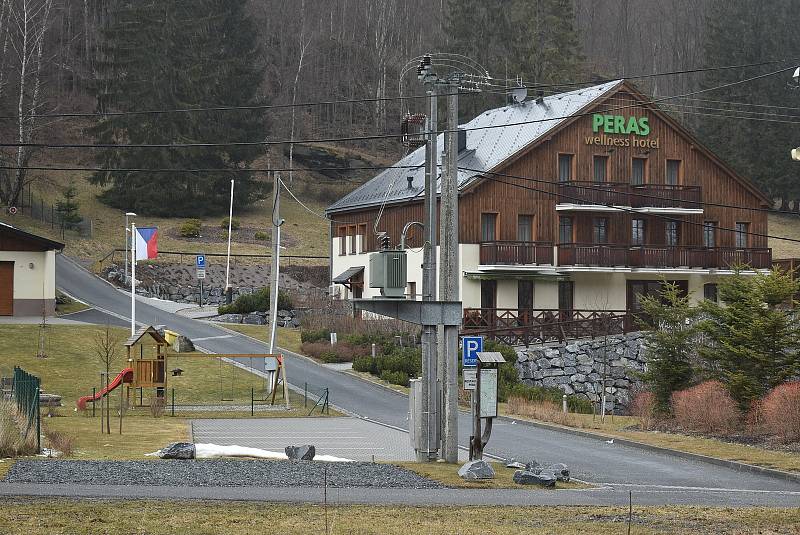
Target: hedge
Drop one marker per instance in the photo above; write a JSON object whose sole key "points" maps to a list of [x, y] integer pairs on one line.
{"points": [[256, 301]]}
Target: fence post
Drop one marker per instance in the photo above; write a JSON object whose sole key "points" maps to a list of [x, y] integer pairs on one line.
{"points": [[173, 401], [305, 394], [38, 421], [94, 397], [325, 406], [252, 401]]}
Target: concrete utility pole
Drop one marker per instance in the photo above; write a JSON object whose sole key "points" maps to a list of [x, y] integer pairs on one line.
{"points": [[449, 275], [430, 419], [228, 292], [275, 270]]}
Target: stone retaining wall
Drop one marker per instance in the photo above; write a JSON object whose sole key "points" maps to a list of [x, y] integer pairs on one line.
{"points": [[578, 367]]}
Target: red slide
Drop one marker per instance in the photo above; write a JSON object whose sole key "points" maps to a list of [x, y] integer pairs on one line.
{"points": [[125, 376]]}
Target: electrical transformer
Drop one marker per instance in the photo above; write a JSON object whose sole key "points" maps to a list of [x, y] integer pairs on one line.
{"points": [[388, 271]]}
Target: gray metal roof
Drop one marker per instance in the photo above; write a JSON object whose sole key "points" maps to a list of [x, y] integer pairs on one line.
{"points": [[488, 145], [348, 274]]}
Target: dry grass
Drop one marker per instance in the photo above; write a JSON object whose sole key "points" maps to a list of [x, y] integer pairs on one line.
{"points": [[286, 337], [448, 474], [786, 226], [46, 516], [13, 442], [61, 441]]}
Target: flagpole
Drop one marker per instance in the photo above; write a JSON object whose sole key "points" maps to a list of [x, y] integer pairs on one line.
{"points": [[228, 294], [133, 279]]}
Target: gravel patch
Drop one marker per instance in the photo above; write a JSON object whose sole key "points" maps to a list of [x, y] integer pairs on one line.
{"points": [[218, 473]]}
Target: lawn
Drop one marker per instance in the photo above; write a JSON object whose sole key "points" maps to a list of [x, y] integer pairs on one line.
{"points": [[787, 226], [617, 427], [286, 337], [44, 516]]}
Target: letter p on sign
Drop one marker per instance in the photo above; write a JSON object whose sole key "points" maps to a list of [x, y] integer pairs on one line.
{"points": [[472, 345]]}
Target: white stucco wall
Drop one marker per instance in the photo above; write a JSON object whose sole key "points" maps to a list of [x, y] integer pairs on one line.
{"points": [[34, 273]]}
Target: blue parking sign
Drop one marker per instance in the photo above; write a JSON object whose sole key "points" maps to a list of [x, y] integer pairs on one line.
{"points": [[472, 345], [201, 261]]}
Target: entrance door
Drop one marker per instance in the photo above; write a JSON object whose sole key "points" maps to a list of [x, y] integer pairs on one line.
{"points": [[489, 300], [6, 288]]}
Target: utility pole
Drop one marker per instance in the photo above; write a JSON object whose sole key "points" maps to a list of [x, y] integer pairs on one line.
{"points": [[430, 390], [449, 275], [133, 279], [228, 289], [275, 270]]}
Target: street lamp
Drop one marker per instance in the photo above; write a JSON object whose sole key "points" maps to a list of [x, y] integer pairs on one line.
{"points": [[127, 243]]}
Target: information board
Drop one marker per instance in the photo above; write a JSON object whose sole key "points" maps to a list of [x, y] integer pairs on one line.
{"points": [[488, 393]]}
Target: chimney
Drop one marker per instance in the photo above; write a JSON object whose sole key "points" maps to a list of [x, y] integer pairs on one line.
{"points": [[462, 140], [410, 182]]}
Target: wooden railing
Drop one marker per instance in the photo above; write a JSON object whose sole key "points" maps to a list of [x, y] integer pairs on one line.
{"points": [[623, 194], [604, 255], [527, 327], [516, 252]]}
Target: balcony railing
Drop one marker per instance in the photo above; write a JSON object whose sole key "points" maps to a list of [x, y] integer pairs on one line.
{"points": [[622, 194], [526, 326], [577, 254], [516, 253]]}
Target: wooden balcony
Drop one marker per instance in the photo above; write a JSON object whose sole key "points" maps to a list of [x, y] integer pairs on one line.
{"points": [[525, 327], [658, 256], [622, 194], [515, 253]]}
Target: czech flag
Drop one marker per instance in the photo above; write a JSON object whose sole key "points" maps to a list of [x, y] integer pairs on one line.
{"points": [[146, 243]]}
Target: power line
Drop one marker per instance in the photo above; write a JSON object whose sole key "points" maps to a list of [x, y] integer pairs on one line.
{"points": [[374, 136]]}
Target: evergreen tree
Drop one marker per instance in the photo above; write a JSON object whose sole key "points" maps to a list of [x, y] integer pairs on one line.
{"points": [[67, 207], [753, 338], [510, 38], [742, 32], [671, 335], [178, 54]]}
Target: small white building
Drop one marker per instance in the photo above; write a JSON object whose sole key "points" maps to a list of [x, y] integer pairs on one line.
{"points": [[27, 273]]}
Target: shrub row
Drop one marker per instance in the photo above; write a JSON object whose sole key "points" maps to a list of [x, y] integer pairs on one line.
{"points": [[396, 367], [258, 300], [341, 352]]}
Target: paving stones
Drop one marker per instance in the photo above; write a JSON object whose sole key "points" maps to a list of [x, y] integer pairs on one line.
{"points": [[218, 473]]}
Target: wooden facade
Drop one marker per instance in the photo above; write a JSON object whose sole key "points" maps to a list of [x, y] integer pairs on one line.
{"points": [[703, 182]]}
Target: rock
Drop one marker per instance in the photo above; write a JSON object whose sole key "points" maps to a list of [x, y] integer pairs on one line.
{"points": [[533, 466], [182, 344], [229, 318], [560, 470], [300, 453], [178, 450], [515, 464], [49, 400], [473, 470], [254, 319], [526, 477]]}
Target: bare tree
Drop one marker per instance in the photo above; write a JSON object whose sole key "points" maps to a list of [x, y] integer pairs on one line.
{"points": [[106, 344]]}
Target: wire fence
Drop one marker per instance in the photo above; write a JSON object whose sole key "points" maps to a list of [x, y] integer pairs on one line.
{"points": [[45, 211], [25, 393]]}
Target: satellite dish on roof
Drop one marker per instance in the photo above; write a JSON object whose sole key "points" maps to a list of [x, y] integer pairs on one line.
{"points": [[519, 94]]}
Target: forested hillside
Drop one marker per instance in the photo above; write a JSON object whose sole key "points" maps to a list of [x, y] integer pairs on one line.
{"points": [[103, 57]]}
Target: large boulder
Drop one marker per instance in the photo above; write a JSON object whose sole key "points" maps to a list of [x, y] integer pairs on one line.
{"points": [[560, 470], [543, 479], [474, 470], [300, 453], [182, 344], [178, 450], [254, 319]]}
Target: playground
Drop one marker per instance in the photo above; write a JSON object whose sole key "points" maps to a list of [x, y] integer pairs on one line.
{"points": [[155, 405]]}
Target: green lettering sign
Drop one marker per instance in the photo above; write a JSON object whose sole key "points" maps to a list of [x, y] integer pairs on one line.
{"points": [[618, 124]]}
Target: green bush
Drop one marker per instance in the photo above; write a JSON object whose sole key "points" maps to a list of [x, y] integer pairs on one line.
{"points": [[396, 378], [321, 335], [396, 367], [235, 224], [258, 300], [190, 228], [261, 236]]}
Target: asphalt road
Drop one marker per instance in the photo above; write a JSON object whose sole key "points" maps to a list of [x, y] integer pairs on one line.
{"points": [[590, 459]]}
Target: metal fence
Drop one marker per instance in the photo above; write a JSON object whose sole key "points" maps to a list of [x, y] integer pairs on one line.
{"points": [[46, 212], [25, 393]]}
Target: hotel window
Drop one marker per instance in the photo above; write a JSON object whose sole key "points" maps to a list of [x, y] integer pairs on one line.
{"points": [[342, 232], [672, 233], [525, 228], [565, 162], [525, 295], [637, 231], [488, 227], [351, 232], [566, 297], [673, 172], [362, 237], [600, 230], [710, 234], [742, 233], [710, 292], [639, 171], [565, 229], [600, 168]]}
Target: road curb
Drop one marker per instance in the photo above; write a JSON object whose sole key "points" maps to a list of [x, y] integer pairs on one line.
{"points": [[734, 465]]}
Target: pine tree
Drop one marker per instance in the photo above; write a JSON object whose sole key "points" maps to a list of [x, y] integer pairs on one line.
{"points": [[671, 335], [742, 32], [178, 54], [67, 207], [753, 338]]}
